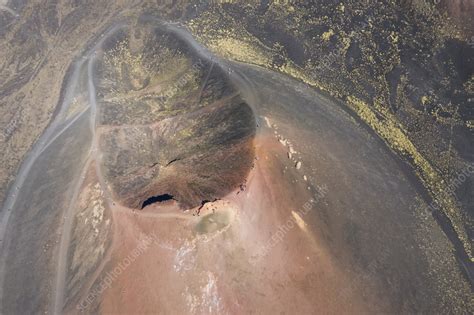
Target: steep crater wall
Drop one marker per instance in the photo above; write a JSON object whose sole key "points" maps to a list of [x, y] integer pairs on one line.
{"points": [[170, 121]]}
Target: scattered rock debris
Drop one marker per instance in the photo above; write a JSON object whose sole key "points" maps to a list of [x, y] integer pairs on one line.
{"points": [[286, 143], [203, 203], [242, 187], [267, 121]]}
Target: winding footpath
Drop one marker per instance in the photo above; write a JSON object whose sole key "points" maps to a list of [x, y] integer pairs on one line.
{"points": [[53, 132]]}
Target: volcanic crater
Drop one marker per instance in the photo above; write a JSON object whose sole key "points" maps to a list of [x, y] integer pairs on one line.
{"points": [[171, 125]]}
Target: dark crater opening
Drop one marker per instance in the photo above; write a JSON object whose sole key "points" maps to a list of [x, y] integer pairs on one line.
{"points": [[158, 198]]}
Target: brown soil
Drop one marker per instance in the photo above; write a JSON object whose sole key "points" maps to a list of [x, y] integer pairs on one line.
{"points": [[213, 263]]}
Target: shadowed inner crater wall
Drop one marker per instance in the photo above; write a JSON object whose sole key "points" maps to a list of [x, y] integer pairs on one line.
{"points": [[171, 123]]}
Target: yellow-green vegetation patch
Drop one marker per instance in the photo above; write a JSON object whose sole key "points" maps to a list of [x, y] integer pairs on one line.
{"points": [[228, 38]]}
